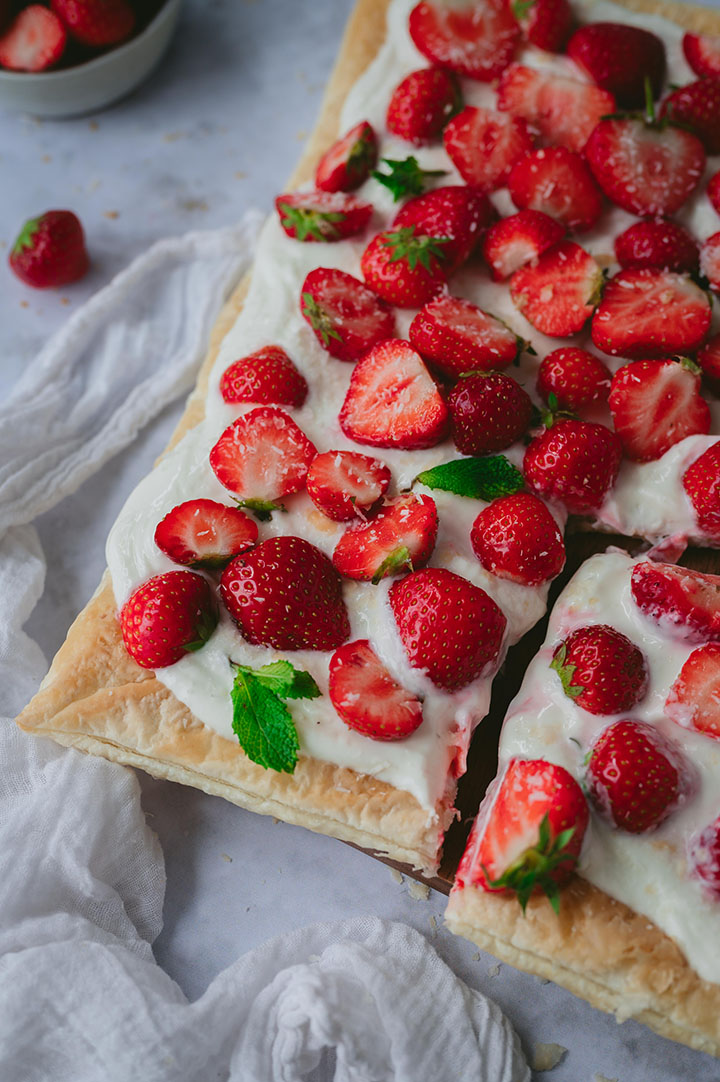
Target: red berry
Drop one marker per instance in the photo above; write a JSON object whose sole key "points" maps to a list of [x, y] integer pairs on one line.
{"points": [[557, 182], [574, 463], [704, 857], [710, 261], [655, 404], [50, 250], [713, 190], [697, 107], [262, 456], [682, 602], [619, 58], [694, 698], [558, 292], [488, 413], [576, 378], [367, 698], [167, 617], [203, 533], [701, 481], [286, 594], [348, 162], [34, 41], [512, 242], [406, 267], [476, 40], [601, 670], [421, 105], [96, 22], [400, 537], [347, 317], [344, 484], [458, 337], [322, 216], [544, 23], [709, 360], [449, 627], [563, 110], [702, 52], [484, 145], [457, 212], [267, 376], [661, 244], [517, 538]]}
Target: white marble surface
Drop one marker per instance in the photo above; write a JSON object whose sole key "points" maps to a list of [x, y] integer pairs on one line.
{"points": [[216, 130]]}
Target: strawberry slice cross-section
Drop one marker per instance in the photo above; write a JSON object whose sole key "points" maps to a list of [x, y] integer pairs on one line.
{"points": [[322, 216], [400, 537], [558, 292], [348, 318], [204, 533], [367, 698], [563, 110], [475, 39]]}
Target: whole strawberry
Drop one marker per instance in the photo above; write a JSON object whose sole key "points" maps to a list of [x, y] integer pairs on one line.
{"points": [[422, 104], [601, 670], [697, 107], [459, 213], [635, 776], [367, 698], [574, 463], [167, 617], [267, 376], [661, 244], [406, 267], [619, 58], [96, 22], [50, 250], [488, 412], [701, 481], [347, 164], [517, 538], [576, 377]]}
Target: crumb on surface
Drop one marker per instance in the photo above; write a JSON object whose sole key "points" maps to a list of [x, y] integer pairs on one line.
{"points": [[226, 857], [173, 136], [65, 301], [94, 126], [193, 204], [603, 1078], [240, 174], [419, 892], [476, 956], [547, 1056], [397, 876], [433, 923], [301, 134], [493, 971], [111, 214]]}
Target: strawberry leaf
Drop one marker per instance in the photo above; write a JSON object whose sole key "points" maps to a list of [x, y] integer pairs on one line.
{"points": [[477, 478], [406, 177], [398, 558], [404, 244], [261, 509], [26, 237], [565, 672], [261, 720], [535, 867], [318, 319], [311, 222]]}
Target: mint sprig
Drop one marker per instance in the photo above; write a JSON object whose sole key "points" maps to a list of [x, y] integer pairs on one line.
{"points": [[406, 177], [261, 720], [484, 478]]}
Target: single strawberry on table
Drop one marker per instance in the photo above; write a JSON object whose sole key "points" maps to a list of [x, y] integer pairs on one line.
{"points": [[574, 463], [514, 241], [448, 626], [601, 670], [285, 593], [167, 617], [655, 404], [96, 22], [407, 267], [348, 317], [349, 161], [267, 376], [35, 40], [662, 244], [476, 39], [559, 290], [345, 485], [694, 698], [701, 482], [697, 107], [421, 105], [457, 337], [457, 212], [367, 698], [681, 601], [544, 23], [516, 538], [488, 412], [563, 111], [204, 533], [557, 182], [322, 216], [702, 52], [620, 58], [400, 537], [50, 250], [576, 377], [483, 145]]}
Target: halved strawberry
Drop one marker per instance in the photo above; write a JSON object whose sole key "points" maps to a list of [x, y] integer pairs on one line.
{"points": [[661, 244], [392, 400], [694, 698], [367, 698], [601, 669], [168, 617], [558, 292], [322, 216], [563, 110], [517, 538], [704, 858], [406, 267], [347, 316], [647, 168], [655, 404], [449, 627], [709, 360], [476, 39], [345, 484], [713, 191], [400, 537], [544, 23], [458, 337], [512, 242], [348, 162], [421, 105], [262, 456], [267, 376], [710, 261], [574, 463], [697, 107], [702, 52], [620, 58], [557, 182], [701, 481], [34, 40], [528, 834], [457, 212], [647, 312], [203, 533], [576, 378], [484, 145], [488, 412], [681, 601]]}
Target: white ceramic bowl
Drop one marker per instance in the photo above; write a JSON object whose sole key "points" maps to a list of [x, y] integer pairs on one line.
{"points": [[94, 84]]}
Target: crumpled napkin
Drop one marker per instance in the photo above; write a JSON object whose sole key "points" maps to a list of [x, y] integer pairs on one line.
{"points": [[82, 883]]}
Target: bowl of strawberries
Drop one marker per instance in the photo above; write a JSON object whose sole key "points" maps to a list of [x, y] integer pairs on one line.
{"points": [[64, 58]]}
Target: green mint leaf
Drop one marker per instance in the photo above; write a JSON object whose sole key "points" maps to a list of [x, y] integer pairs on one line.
{"points": [[405, 177], [284, 680], [263, 724], [477, 478]]}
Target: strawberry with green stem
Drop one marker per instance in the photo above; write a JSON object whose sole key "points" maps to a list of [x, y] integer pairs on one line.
{"points": [[348, 317], [50, 250], [168, 617], [400, 537], [404, 177], [348, 162], [405, 267], [601, 670], [320, 216]]}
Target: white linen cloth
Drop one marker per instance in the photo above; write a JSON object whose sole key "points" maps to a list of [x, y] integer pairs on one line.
{"points": [[82, 877]]}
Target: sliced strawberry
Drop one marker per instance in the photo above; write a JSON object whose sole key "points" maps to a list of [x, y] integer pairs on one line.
{"points": [[512, 242], [661, 244], [713, 191], [347, 317], [646, 168], [449, 627], [267, 376], [517, 538], [601, 670], [344, 484], [576, 378], [558, 292], [544, 23], [648, 312], [367, 698], [702, 52], [528, 834], [557, 182], [697, 107], [701, 481], [262, 456], [710, 261], [475, 39], [655, 404], [399, 538], [457, 212], [488, 413], [574, 463], [322, 216], [167, 617], [562, 110], [421, 105], [34, 41], [348, 162], [285, 593], [458, 337], [484, 145], [704, 858], [681, 601], [203, 533], [694, 698], [406, 267], [392, 400], [709, 360], [635, 776], [620, 58]]}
